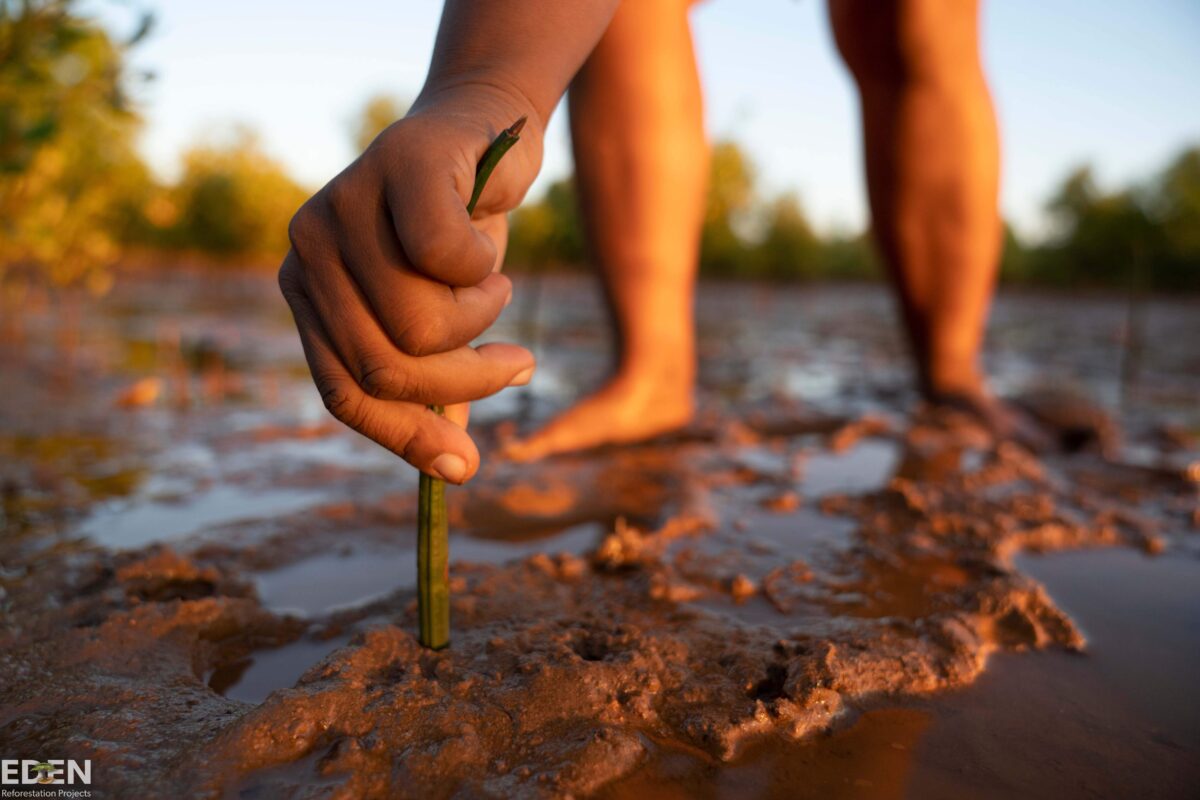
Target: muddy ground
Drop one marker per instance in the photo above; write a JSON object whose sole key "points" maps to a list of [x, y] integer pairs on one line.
{"points": [[816, 590]]}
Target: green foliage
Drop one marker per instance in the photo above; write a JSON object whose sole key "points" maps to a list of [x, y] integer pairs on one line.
{"points": [[380, 111], [1175, 209], [789, 248], [731, 198], [1144, 235], [848, 257], [74, 193], [67, 162], [232, 201], [742, 236], [548, 232], [1017, 264]]}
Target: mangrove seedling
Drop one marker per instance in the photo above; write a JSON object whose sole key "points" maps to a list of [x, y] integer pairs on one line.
{"points": [[433, 545]]}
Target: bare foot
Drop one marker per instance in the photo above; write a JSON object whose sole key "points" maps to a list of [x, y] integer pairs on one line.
{"points": [[624, 411], [1003, 420]]}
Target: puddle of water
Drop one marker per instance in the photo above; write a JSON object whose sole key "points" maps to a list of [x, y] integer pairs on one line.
{"points": [[1118, 721], [871, 759], [912, 589], [812, 382], [803, 533], [577, 539], [1141, 616], [334, 581], [345, 450], [256, 676], [779, 553], [866, 467], [128, 525]]}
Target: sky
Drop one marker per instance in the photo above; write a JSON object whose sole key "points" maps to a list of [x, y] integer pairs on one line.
{"points": [[1110, 82]]}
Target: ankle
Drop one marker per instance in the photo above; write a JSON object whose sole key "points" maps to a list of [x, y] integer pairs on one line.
{"points": [[942, 382], [675, 378]]}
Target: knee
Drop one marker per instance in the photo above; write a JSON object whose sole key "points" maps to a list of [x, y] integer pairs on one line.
{"points": [[904, 42]]}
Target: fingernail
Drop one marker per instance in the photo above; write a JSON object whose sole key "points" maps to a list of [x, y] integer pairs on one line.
{"points": [[522, 377], [449, 467], [508, 299]]}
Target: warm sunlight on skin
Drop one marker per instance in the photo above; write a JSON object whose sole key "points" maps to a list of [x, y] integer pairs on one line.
{"points": [[642, 170], [642, 163], [932, 169]]}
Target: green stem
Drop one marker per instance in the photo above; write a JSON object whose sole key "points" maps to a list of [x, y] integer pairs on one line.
{"points": [[433, 529], [433, 562]]}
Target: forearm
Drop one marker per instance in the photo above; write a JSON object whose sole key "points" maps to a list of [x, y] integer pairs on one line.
{"points": [[526, 49]]}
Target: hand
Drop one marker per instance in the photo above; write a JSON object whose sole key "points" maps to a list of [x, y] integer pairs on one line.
{"points": [[389, 280]]}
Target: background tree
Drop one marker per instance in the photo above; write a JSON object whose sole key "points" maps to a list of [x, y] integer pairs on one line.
{"points": [[1175, 208], [548, 232], [233, 202], [377, 113], [789, 249], [731, 197], [67, 161], [1143, 236]]}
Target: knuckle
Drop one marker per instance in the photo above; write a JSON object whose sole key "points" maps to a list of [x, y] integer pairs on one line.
{"points": [[499, 380], [341, 402], [341, 198], [422, 333], [433, 253], [410, 440], [289, 283], [304, 227], [382, 380]]}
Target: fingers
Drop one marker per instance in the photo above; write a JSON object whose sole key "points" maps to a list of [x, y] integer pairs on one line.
{"points": [[420, 315], [433, 444], [454, 377], [496, 228], [459, 414], [385, 372], [430, 217], [447, 378]]}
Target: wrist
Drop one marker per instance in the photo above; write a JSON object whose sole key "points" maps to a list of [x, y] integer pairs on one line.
{"points": [[491, 105]]}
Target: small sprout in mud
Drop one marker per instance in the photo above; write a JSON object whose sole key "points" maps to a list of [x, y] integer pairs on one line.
{"points": [[433, 545]]}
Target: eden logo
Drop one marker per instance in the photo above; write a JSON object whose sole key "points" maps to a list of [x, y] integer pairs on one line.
{"points": [[53, 771]]}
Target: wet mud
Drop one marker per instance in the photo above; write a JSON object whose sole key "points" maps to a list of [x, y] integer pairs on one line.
{"points": [[209, 591]]}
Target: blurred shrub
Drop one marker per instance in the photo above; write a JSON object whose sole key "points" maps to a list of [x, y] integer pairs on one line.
{"points": [[742, 236], [789, 248], [548, 232], [848, 257], [728, 212], [67, 162], [380, 111], [1177, 204], [1145, 235], [231, 202]]}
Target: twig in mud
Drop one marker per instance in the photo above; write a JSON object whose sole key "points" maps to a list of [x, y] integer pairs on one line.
{"points": [[433, 530]]}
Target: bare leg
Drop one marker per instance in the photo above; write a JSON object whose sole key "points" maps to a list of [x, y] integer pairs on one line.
{"points": [[932, 158], [641, 161]]}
